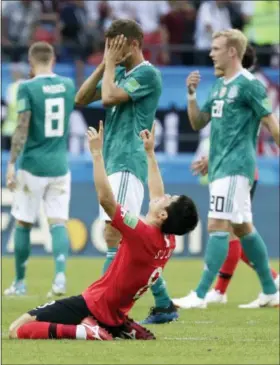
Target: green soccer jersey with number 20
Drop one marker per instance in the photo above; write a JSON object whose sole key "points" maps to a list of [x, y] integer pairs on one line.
{"points": [[236, 108], [123, 148], [50, 98]]}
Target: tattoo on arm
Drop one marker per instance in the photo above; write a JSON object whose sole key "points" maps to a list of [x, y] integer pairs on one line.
{"points": [[20, 135]]}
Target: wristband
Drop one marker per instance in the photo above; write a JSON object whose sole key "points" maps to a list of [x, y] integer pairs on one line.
{"points": [[191, 96]]}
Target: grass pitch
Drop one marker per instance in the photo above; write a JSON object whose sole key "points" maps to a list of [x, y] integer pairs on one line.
{"points": [[221, 334]]}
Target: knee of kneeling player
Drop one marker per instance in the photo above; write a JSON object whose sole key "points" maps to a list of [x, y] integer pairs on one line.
{"points": [[13, 329], [111, 236]]}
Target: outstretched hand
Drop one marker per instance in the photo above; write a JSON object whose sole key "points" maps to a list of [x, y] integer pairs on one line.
{"points": [[148, 138], [200, 166], [95, 139]]}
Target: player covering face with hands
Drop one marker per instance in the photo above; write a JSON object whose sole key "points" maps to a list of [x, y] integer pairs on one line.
{"points": [[100, 312]]}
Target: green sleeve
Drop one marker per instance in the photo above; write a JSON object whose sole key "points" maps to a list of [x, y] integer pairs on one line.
{"points": [[207, 106], [23, 98], [142, 83], [256, 97]]}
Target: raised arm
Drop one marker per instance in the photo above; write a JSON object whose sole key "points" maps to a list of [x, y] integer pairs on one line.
{"points": [[89, 92], [272, 124], [155, 183], [102, 186], [198, 119]]}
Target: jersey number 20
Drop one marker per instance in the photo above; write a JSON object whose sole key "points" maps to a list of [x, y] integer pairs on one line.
{"points": [[54, 117], [217, 108]]}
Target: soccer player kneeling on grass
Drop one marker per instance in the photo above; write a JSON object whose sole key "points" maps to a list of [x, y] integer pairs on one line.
{"points": [[100, 313]]}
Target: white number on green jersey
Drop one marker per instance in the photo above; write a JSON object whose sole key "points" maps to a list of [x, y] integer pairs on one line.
{"points": [[217, 108], [54, 117]]}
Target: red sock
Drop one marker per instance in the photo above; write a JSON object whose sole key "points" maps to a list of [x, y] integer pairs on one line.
{"points": [[45, 330], [229, 266], [244, 258]]}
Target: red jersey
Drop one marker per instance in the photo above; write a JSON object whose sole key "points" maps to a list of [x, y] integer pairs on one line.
{"points": [[144, 250]]}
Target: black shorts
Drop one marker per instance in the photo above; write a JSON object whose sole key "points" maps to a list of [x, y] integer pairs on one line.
{"points": [[73, 310], [253, 189], [70, 310]]}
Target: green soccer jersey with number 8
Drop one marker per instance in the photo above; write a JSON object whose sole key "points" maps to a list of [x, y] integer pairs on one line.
{"points": [[50, 98], [236, 107], [123, 148]]}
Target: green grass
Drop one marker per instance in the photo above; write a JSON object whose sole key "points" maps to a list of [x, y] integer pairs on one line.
{"points": [[221, 334]]}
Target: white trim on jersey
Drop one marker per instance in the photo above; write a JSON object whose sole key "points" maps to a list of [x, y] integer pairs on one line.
{"points": [[137, 66]]}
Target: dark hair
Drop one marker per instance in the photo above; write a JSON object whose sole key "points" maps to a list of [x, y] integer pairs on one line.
{"points": [[42, 52], [129, 28], [182, 217], [250, 57]]}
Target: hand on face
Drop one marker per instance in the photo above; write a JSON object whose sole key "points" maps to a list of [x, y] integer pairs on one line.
{"points": [[115, 51]]}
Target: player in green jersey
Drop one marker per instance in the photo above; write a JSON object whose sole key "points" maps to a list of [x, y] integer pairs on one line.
{"points": [[237, 104], [44, 106], [129, 88]]}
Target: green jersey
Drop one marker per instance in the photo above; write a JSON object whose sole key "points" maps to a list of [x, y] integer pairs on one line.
{"points": [[50, 98], [236, 107], [123, 147]]}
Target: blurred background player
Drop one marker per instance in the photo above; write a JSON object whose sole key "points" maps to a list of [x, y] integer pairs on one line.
{"points": [[100, 313], [237, 104], [19, 74], [130, 94], [44, 106], [235, 252]]}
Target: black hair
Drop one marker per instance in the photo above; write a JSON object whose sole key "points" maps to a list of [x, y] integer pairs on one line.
{"points": [[250, 58], [129, 28], [182, 217]]}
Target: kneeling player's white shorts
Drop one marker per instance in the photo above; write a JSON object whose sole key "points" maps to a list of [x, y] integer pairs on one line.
{"points": [[31, 190], [128, 191], [230, 199]]}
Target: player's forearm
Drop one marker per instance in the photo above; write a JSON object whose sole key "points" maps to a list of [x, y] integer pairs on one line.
{"points": [[87, 91], [272, 124], [108, 87], [197, 119], [103, 188], [155, 183], [20, 136]]}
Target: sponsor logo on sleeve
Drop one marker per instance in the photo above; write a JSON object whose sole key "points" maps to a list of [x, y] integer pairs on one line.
{"points": [[132, 85], [130, 220]]}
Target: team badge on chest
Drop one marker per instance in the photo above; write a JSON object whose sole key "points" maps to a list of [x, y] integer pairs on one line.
{"points": [[233, 92], [223, 92]]}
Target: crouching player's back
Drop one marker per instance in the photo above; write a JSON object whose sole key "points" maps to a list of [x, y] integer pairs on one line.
{"points": [[100, 313]]}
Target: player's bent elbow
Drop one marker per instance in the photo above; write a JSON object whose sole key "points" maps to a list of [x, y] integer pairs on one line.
{"points": [[107, 101]]}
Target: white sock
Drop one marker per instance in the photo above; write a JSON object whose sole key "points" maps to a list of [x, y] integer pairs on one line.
{"points": [[81, 333]]}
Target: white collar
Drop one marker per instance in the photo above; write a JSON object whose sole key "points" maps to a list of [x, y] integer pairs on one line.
{"points": [[226, 82], [45, 75], [139, 65]]}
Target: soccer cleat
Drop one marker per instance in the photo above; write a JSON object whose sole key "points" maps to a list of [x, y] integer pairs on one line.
{"points": [[94, 331], [161, 315], [133, 331], [190, 301], [214, 296], [58, 287], [16, 289], [277, 282], [263, 301]]}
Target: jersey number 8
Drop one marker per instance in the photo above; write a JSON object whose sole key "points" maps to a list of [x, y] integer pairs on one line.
{"points": [[54, 117]]}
